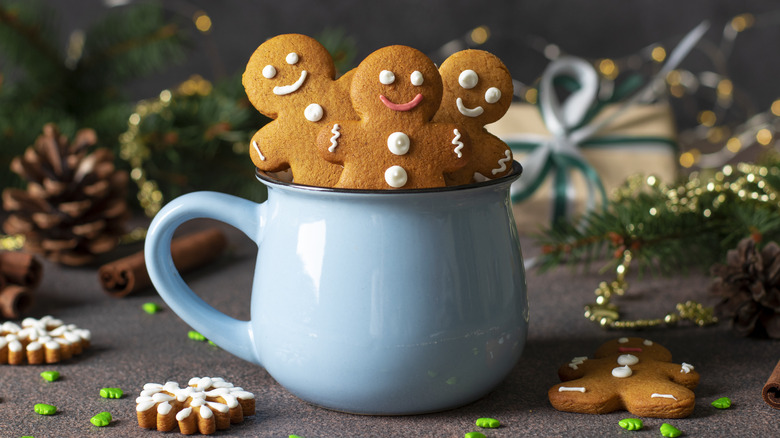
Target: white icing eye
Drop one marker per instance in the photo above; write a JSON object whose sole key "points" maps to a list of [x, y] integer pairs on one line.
{"points": [[269, 71], [417, 78], [468, 79], [292, 58], [648, 342], [492, 95], [386, 77], [622, 340], [313, 112]]}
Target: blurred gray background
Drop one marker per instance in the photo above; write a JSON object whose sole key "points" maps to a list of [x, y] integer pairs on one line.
{"points": [[519, 30]]}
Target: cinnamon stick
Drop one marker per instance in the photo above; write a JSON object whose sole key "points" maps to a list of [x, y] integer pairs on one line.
{"points": [[771, 392], [21, 268], [121, 277], [14, 301]]}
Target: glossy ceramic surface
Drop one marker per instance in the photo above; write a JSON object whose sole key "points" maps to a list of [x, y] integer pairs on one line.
{"points": [[391, 302]]}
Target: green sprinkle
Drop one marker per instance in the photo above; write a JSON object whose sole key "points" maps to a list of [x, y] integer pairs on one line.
{"points": [[111, 393], [452, 381], [631, 423], [295, 436], [44, 409], [151, 308], [722, 403], [474, 435], [50, 375], [212, 343], [490, 423], [195, 336], [101, 419], [670, 431]]}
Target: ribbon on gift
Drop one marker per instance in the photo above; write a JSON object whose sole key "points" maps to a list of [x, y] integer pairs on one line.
{"points": [[571, 127]]}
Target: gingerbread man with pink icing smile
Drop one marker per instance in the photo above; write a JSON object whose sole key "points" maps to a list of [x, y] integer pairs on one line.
{"points": [[394, 145], [633, 374]]}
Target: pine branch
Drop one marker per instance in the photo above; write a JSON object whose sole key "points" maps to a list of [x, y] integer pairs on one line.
{"points": [[689, 224], [27, 38]]}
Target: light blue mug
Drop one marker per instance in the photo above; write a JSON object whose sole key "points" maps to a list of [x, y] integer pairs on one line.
{"points": [[371, 302]]}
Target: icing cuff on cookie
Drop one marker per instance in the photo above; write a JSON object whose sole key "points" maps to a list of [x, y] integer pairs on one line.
{"points": [[257, 149], [334, 139], [502, 162], [458, 144]]}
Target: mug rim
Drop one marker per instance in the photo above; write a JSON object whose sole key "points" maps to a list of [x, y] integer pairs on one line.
{"points": [[517, 170]]}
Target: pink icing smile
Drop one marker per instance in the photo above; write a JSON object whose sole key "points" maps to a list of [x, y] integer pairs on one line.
{"points": [[401, 106], [626, 349]]}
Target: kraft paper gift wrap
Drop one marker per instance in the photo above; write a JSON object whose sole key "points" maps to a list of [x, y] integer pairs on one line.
{"points": [[639, 141]]}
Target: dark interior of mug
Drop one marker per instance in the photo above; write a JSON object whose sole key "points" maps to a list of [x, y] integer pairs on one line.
{"points": [[285, 178]]}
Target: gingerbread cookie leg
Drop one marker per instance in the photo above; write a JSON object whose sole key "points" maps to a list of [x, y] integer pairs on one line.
{"points": [[578, 396], [666, 400]]}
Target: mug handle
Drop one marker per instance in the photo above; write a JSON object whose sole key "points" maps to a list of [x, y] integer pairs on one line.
{"points": [[233, 335]]}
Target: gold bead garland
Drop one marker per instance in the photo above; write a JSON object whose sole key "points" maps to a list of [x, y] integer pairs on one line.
{"points": [[607, 314], [133, 150], [746, 181]]}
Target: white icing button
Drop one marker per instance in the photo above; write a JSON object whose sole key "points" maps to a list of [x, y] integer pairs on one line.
{"points": [[313, 112], [417, 78], [292, 58], [648, 342], [622, 372], [627, 359], [395, 176], [468, 79], [623, 340], [386, 77], [398, 143], [269, 71], [492, 95]]}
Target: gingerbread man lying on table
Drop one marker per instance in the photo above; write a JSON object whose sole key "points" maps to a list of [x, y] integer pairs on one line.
{"points": [[395, 145], [634, 374], [291, 79], [477, 91]]}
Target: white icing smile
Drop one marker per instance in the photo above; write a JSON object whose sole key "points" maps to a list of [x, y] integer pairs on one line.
{"points": [[292, 88], [468, 112]]}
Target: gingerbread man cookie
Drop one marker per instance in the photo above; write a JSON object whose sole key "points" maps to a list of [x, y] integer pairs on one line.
{"points": [[291, 79], [396, 91], [477, 91], [634, 374]]}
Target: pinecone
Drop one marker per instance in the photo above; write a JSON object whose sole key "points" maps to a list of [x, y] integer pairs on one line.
{"points": [[74, 207], [749, 284]]}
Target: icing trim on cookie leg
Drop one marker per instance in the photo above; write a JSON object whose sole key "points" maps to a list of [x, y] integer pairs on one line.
{"points": [[657, 395], [401, 106], [502, 162], [468, 112], [459, 144], [571, 389], [257, 149], [334, 138], [292, 88]]}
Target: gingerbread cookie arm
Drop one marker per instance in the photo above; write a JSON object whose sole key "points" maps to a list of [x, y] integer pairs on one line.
{"points": [[267, 154], [331, 143], [682, 374], [500, 162], [576, 368], [457, 149]]}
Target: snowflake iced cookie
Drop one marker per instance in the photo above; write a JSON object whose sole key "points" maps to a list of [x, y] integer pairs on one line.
{"points": [[477, 91], [634, 374], [292, 79], [395, 91], [206, 405], [37, 341]]}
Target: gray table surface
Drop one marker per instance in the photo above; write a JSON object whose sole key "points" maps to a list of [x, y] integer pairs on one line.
{"points": [[130, 348]]}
